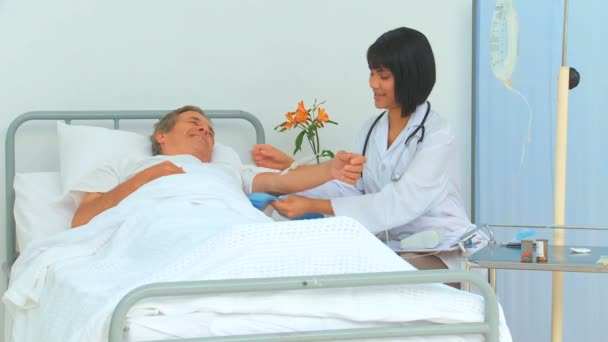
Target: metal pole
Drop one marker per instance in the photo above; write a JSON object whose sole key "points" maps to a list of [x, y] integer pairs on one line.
{"points": [[559, 199]]}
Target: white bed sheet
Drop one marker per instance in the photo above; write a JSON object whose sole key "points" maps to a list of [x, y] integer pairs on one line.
{"points": [[189, 227]]}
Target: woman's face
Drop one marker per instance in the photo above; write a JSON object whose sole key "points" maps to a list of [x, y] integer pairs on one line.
{"points": [[382, 83]]}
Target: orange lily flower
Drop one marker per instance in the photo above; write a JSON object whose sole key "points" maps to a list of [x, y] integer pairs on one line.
{"points": [[322, 116], [302, 121], [301, 113], [290, 120]]}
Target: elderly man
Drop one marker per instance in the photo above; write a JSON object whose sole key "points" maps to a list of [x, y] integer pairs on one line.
{"points": [[185, 137]]}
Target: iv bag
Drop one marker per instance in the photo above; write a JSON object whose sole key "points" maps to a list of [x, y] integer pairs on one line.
{"points": [[504, 35]]}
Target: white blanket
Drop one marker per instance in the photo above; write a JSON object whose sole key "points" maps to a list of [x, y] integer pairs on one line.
{"points": [[191, 227]]}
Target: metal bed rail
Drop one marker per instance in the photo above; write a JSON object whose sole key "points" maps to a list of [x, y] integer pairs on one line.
{"points": [[489, 327], [68, 116]]}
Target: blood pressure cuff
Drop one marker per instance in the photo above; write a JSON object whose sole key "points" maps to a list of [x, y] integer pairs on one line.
{"points": [[262, 199]]}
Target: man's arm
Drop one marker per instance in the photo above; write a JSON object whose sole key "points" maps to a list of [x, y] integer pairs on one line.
{"points": [[95, 203], [344, 166]]}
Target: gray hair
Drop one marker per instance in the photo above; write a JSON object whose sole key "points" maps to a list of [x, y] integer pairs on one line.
{"points": [[168, 122]]}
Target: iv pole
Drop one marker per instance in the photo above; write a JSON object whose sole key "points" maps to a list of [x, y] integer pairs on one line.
{"points": [[559, 200]]}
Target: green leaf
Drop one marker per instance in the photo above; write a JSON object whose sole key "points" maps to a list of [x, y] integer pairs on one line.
{"points": [[299, 140], [311, 130], [327, 153], [331, 122]]}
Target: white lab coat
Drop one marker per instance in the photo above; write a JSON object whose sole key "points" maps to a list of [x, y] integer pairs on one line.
{"points": [[427, 194]]}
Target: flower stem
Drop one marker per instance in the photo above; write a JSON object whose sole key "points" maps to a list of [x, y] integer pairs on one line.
{"points": [[312, 146], [318, 144]]}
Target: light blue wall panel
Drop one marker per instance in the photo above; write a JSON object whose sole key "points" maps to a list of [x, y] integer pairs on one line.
{"points": [[508, 191]]}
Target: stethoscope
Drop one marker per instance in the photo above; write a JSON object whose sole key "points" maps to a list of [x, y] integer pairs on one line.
{"points": [[395, 177]]}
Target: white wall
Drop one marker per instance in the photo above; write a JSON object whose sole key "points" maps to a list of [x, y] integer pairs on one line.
{"points": [[262, 56]]}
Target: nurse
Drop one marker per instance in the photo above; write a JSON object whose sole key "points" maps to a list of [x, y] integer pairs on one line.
{"points": [[410, 183]]}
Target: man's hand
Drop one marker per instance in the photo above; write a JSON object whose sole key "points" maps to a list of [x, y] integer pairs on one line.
{"points": [[165, 168], [347, 167], [94, 203], [268, 156]]}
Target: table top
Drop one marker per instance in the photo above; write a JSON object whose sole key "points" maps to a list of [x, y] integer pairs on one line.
{"points": [[560, 258]]}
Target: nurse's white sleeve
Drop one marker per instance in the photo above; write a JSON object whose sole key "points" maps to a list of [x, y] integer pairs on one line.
{"points": [[331, 189], [398, 203]]}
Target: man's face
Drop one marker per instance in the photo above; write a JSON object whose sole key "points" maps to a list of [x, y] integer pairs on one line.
{"points": [[192, 134]]}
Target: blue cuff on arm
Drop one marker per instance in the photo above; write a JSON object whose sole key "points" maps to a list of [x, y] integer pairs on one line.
{"points": [[261, 199]]}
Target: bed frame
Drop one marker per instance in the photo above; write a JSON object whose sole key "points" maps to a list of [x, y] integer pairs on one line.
{"points": [[489, 328], [68, 116]]}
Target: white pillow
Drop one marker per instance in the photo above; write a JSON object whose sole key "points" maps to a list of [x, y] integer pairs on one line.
{"points": [[82, 149], [225, 155], [41, 209]]}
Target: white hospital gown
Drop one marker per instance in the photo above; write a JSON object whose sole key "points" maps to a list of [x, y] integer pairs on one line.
{"points": [[111, 175]]}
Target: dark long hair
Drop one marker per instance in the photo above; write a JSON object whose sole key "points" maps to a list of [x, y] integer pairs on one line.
{"points": [[408, 55]]}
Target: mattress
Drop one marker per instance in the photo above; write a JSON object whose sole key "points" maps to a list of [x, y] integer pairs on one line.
{"points": [[159, 327]]}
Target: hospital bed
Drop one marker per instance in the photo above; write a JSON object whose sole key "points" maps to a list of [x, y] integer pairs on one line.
{"points": [[489, 327]]}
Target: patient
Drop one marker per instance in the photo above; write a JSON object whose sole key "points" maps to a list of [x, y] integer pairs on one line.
{"points": [[184, 137]]}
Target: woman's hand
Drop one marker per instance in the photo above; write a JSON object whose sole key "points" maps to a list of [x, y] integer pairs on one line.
{"points": [[267, 156], [347, 167], [293, 206]]}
